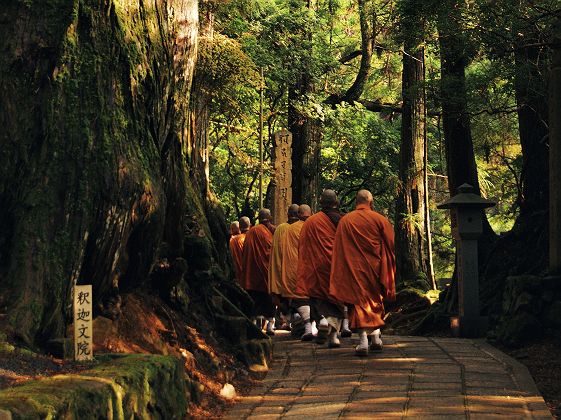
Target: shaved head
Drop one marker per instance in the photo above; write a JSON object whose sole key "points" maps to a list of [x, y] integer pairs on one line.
{"points": [[293, 211], [364, 197], [234, 228], [304, 211], [328, 199], [264, 215], [245, 223]]}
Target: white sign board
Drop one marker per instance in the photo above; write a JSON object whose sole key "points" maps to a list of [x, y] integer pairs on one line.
{"points": [[83, 323]]}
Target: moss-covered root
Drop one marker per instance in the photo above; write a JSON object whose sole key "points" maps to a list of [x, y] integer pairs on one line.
{"points": [[121, 386]]}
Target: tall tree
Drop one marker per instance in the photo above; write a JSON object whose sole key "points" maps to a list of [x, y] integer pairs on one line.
{"points": [[90, 175], [455, 54], [411, 244], [305, 129]]}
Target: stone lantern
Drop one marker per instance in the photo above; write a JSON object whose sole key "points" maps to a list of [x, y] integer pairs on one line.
{"points": [[466, 214]]}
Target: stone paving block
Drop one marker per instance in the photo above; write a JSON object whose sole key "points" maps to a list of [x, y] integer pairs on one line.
{"points": [[316, 409], [507, 384], [367, 386], [443, 369], [375, 400], [436, 378], [327, 391], [366, 407], [284, 391], [446, 386], [444, 416], [451, 404], [503, 392], [272, 400], [436, 393], [493, 416]]}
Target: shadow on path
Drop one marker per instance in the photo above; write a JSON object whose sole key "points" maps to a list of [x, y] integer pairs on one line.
{"points": [[414, 377]]}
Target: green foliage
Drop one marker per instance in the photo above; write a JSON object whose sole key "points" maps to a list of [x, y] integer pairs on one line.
{"points": [[359, 149]]}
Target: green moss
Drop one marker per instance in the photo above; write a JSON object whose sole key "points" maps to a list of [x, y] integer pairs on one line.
{"points": [[120, 386]]}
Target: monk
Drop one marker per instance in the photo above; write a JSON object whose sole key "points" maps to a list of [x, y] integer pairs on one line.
{"points": [[314, 268], [238, 229], [255, 267], [363, 269], [236, 248]]}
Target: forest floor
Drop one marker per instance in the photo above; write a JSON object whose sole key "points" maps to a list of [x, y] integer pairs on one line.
{"points": [[147, 325], [543, 360]]}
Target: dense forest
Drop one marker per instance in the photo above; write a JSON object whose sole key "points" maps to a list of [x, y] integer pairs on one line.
{"points": [[131, 137], [409, 99]]}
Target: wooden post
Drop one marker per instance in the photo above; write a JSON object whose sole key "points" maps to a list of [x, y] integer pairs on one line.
{"points": [[261, 140], [555, 158], [83, 323], [283, 175]]}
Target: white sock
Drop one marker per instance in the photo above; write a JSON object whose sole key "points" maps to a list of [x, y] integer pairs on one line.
{"points": [[307, 328], [335, 323], [363, 339], [376, 336], [345, 324], [304, 312], [270, 324], [323, 322]]}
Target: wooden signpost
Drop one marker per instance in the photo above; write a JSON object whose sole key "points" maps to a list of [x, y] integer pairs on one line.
{"points": [[83, 323], [283, 175]]}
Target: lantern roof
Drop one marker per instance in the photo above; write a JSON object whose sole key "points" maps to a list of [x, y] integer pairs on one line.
{"points": [[466, 198]]}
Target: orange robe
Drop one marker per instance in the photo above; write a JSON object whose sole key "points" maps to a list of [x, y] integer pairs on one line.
{"points": [[275, 265], [363, 266], [290, 248], [236, 249], [314, 259], [256, 255]]}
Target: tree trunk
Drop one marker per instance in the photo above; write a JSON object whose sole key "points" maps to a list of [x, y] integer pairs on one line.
{"points": [[411, 250], [199, 124], [460, 157], [92, 179], [531, 98], [555, 157], [306, 133]]}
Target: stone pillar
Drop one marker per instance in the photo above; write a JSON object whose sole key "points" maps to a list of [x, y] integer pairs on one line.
{"points": [[555, 158], [466, 214], [283, 175]]}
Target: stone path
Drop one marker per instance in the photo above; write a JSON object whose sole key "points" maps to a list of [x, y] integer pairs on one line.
{"points": [[414, 377]]}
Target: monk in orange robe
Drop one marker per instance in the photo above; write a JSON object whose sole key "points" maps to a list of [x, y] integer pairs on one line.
{"points": [[363, 269], [238, 230], [277, 253], [314, 268], [255, 267]]}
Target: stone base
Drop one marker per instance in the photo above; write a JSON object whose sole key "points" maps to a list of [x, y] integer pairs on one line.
{"points": [[469, 327]]}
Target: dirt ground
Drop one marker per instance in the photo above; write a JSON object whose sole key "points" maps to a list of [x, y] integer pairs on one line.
{"points": [[148, 325], [543, 360]]}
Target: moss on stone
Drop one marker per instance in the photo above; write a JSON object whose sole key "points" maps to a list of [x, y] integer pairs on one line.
{"points": [[118, 387]]}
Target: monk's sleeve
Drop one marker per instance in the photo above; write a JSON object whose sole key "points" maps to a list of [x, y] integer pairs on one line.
{"points": [[387, 263]]}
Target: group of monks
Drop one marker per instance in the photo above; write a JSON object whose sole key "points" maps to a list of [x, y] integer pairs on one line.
{"points": [[330, 268]]}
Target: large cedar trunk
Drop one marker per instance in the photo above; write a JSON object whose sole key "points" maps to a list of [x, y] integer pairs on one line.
{"points": [[93, 186], [460, 157], [411, 249], [555, 156]]}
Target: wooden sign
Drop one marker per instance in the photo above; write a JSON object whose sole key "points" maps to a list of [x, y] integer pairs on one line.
{"points": [[283, 175], [83, 323]]}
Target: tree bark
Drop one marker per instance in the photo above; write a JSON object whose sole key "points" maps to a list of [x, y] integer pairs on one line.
{"points": [[411, 250], [555, 157], [92, 175], [460, 158], [306, 133]]}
